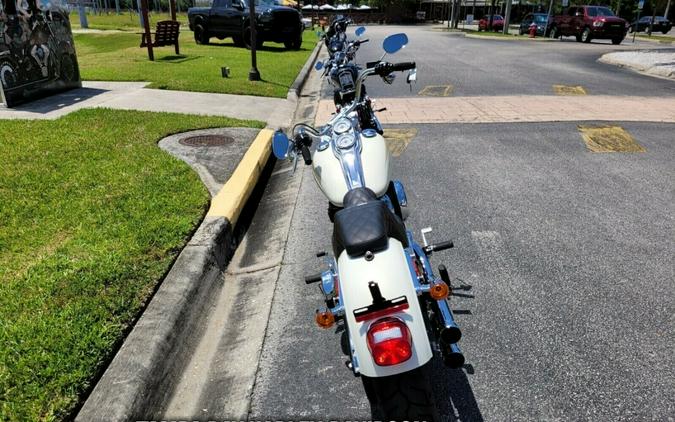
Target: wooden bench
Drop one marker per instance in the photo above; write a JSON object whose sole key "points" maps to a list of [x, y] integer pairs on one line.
{"points": [[166, 34]]}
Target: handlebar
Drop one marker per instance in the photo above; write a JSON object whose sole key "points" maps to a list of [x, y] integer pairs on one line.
{"points": [[308, 133], [384, 69]]}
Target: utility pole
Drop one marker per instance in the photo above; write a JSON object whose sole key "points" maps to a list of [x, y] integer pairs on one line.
{"points": [[451, 11], [117, 6], [665, 14], [507, 17], [548, 16], [83, 14], [253, 74], [651, 24]]}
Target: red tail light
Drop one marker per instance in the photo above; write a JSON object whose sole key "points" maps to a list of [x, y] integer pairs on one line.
{"points": [[390, 342]]}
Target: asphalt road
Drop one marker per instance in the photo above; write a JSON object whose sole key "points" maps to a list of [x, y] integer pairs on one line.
{"points": [[570, 257], [569, 252], [476, 67]]}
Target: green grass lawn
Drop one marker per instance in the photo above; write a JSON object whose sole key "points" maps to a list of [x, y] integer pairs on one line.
{"points": [[123, 22], [116, 56], [92, 214], [661, 38]]}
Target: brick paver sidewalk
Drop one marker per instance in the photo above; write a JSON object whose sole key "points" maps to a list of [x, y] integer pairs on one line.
{"points": [[505, 109]]}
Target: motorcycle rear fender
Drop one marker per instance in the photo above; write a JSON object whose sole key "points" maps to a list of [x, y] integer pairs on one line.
{"points": [[390, 270]]}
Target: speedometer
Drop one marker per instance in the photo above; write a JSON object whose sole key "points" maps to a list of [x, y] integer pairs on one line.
{"points": [[342, 126], [345, 141]]}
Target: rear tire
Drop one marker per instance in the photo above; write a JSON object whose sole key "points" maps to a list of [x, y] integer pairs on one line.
{"points": [[294, 44], [247, 39], [405, 396], [553, 33], [201, 35]]}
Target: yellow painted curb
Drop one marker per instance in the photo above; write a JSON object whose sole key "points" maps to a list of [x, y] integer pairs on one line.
{"points": [[230, 200]]}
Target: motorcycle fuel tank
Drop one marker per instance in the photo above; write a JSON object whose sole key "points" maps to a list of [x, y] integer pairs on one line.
{"points": [[374, 161]]}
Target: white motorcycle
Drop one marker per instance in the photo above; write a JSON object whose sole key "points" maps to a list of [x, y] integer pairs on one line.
{"points": [[380, 288]]}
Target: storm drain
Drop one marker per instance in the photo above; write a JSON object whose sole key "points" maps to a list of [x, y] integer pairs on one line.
{"points": [[206, 140]]}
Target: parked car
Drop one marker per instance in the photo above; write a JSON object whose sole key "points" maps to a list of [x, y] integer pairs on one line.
{"points": [[589, 22], [230, 18], [539, 19], [497, 23], [660, 24]]}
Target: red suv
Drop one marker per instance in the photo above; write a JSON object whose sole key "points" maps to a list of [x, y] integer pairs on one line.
{"points": [[589, 22]]}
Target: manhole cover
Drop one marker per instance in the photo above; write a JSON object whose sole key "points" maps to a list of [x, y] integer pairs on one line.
{"points": [[207, 140]]}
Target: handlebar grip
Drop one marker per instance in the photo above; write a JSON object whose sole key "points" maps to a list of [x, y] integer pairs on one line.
{"points": [[306, 155], [399, 67]]}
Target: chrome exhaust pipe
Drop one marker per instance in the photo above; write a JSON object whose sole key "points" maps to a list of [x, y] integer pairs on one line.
{"points": [[452, 355], [449, 332]]}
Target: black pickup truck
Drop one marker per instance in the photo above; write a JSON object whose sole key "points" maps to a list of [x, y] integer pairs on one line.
{"points": [[230, 18]]}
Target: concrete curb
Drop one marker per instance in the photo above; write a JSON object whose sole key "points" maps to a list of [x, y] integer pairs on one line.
{"points": [[296, 87], [648, 67], [132, 386], [158, 346]]}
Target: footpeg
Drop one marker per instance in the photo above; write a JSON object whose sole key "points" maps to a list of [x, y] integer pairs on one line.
{"points": [[429, 248], [314, 278], [437, 247]]}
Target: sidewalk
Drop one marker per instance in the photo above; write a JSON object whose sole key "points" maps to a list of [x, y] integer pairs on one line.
{"points": [[133, 96], [504, 109]]}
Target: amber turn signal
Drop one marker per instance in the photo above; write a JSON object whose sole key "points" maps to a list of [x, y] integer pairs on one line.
{"points": [[439, 290], [324, 319]]}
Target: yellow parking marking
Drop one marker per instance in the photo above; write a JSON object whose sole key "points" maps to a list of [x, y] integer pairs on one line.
{"points": [[609, 139], [436, 91], [569, 90], [398, 139]]}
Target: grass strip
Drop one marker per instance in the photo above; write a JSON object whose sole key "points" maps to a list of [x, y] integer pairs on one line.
{"points": [[125, 21], [92, 214], [116, 56]]}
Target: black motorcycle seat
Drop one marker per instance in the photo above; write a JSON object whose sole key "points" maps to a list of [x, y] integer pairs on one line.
{"points": [[358, 196], [365, 224]]}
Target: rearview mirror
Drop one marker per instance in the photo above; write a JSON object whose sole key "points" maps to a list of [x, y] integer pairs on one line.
{"points": [[280, 144], [318, 66], [360, 31], [395, 42]]}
